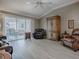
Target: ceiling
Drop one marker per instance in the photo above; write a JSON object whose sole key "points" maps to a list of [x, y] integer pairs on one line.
{"points": [[20, 7]]}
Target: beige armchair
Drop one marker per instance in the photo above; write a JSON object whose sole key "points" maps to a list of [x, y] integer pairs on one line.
{"points": [[5, 52], [7, 48], [72, 41], [4, 55]]}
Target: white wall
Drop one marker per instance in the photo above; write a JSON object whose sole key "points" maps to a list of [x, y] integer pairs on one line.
{"points": [[37, 23], [44, 23], [67, 13]]}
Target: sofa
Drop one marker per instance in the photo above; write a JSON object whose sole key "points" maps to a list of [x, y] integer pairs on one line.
{"points": [[72, 40]]}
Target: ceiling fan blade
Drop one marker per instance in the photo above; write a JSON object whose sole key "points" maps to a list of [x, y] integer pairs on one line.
{"points": [[39, 3], [30, 3], [47, 3]]}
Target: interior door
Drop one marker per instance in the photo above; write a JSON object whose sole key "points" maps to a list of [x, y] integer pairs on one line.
{"points": [[49, 28]]}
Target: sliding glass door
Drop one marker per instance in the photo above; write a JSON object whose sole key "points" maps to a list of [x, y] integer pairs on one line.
{"points": [[15, 28]]}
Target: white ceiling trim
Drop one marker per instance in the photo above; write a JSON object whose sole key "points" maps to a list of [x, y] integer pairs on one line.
{"points": [[10, 12], [75, 1]]}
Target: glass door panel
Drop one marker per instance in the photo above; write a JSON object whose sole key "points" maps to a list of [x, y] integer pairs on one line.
{"points": [[28, 25], [20, 28], [10, 28]]}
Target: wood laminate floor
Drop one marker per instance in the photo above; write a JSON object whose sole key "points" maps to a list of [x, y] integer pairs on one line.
{"points": [[41, 49]]}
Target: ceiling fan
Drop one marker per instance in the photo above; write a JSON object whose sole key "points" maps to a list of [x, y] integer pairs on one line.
{"points": [[38, 3]]}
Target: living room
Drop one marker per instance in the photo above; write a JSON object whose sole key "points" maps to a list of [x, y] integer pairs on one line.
{"points": [[39, 32]]}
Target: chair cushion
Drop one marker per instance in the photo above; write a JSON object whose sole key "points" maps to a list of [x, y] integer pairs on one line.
{"points": [[68, 43], [68, 40]]}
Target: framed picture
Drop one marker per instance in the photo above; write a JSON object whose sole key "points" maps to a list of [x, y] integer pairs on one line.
{"points": [[70, 24]]}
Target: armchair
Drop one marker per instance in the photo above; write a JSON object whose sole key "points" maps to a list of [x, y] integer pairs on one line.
{"points": [[7, 48], [4, 55], [39, 33], [72, 41]]}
